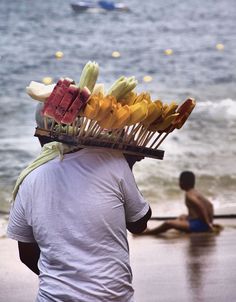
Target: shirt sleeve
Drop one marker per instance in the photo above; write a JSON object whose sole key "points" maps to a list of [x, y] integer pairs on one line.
{"points": [[135, 205], [18, 226]]}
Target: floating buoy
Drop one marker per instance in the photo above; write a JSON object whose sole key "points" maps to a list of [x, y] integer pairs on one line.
{"points": [[47, 80], [115, 54], [168, 52], [147, 78], [220, 46], [59, 54]]}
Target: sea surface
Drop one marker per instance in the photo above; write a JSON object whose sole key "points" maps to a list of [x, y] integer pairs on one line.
{"points": [[31, 32]]}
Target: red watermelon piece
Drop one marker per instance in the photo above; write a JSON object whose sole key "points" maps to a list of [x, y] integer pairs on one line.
{"points": [[65, 103], [76, 106], [55, 97]]}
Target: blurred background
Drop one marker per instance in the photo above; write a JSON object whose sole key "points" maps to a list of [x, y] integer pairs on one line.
{"points": [[176, 49]]}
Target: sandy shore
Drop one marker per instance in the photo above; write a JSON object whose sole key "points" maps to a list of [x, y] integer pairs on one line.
{"points": [[172, 267]]}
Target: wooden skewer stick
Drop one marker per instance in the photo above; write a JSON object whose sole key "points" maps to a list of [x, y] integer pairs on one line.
{"points": [[147, 139], [161, 140], [53, 124], [100, 129], [126, 133], [79, 122], [171, 129], [83, 126], [45, 120], [93, 130], [141, 135], [156, 139], [90, 127], [90, 124], [143, 140], [118, 134], [96, 129], [134, 131], [73, 127], [67, 129]]}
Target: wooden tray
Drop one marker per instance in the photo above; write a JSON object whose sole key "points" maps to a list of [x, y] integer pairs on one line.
{"points": [[90, 142]]}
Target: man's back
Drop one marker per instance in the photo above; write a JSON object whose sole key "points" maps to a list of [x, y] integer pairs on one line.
{"points": [[78, 209], [196, 203]]}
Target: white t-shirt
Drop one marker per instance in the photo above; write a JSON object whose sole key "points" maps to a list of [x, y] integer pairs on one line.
{"points": [[76, 210]]}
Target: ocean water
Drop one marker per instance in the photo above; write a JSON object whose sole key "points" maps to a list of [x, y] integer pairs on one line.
{"points": [[31, 33]]}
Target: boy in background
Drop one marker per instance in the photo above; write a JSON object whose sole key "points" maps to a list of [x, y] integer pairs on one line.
{"points": [[200, 210]]}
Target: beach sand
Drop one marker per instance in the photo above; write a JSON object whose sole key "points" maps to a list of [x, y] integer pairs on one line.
{"points": [[172, 267]]}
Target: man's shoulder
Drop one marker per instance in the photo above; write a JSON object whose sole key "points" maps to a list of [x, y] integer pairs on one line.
{"points": [[192, 196]]}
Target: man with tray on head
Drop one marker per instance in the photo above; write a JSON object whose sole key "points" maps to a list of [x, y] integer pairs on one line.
{"points": [[70, 218]]}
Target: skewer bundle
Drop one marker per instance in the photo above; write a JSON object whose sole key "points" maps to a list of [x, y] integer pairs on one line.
{"points": [[84, 115]]}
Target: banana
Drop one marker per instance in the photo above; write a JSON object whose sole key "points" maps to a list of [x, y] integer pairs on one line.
{"points": [[138, 112], [122, 117], [89, 76]]}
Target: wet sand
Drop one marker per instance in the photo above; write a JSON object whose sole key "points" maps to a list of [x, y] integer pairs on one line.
{"points": [[186, 267], [172, 267]]}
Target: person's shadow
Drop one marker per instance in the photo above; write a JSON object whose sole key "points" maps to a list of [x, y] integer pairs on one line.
{"points": [[200, 256]]}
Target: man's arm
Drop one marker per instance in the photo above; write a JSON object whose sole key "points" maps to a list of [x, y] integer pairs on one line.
{"points": [[140, 225], [29, 255]]}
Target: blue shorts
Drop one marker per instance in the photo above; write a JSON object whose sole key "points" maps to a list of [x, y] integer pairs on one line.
{"points": [[197, 225]]}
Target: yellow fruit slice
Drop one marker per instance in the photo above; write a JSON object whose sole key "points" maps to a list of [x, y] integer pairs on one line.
{"points": [[154, 112], [129, 98], [122, 117], [105, 105], [91, 109], [170, 109], [164, 124], [138, 112], [110, 119]]}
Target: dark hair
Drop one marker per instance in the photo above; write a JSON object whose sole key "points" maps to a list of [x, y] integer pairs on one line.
{"points": [[187, 179]]}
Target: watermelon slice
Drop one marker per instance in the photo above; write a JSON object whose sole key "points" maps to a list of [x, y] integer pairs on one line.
{"points": [[76, 106], [65, 103], [55, 98]]}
